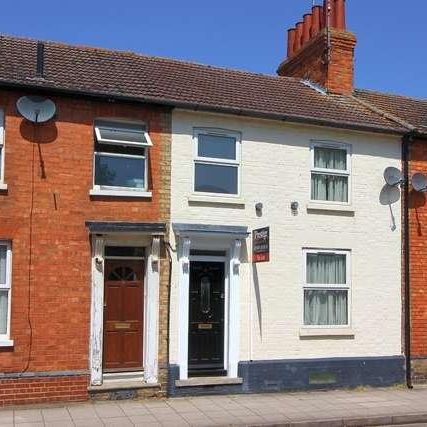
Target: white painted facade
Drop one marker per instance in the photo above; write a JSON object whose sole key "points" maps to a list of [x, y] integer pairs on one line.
{"points": [[268, 304]]}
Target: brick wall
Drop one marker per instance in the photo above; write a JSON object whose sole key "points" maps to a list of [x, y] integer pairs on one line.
{"points": [[18, 391], [418, 260], [335, 73], [56, 302]]}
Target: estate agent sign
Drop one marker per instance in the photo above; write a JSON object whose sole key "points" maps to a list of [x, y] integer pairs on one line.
{"points": [[261, 245]]}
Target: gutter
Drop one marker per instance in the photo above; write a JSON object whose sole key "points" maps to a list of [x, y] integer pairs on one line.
{"points": [[44, 87]]}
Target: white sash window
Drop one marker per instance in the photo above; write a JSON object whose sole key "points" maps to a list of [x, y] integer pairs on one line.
{"points": [[330, 172], [216, 162], [327, 288]]}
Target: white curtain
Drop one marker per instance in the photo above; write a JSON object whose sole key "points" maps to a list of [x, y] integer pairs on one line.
{"points": [[326, 307], [3, 251], [3, 311], [325, 268], [333, 188], [330, 158]]}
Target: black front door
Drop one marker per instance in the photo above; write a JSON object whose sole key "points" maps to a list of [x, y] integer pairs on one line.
{"points": [[206, 319]]}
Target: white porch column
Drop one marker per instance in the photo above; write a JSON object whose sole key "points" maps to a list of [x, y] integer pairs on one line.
{"points": [[184, 290], [97, 310], [234, 304], [152, 313]]}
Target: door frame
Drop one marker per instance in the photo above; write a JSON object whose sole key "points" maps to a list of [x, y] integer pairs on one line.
{"points": [[221, 259], [151, 303], [232, 245]]}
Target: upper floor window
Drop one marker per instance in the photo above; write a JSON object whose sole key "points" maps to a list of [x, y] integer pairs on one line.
{"points": [[5, 290], [120, 158], [326, 288], [1, 145], [216, 162], [330, 172]]}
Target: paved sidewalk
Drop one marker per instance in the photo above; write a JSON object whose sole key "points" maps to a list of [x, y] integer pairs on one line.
{"points": [[329, 408]]}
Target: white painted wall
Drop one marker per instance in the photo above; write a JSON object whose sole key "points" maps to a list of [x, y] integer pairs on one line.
{"points": [[276, 171]]}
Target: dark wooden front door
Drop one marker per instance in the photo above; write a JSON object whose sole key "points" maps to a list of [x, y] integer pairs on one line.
{"points": [[206, 319], [123, 315]]}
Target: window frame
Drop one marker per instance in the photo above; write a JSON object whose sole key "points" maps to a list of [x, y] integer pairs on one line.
{"points": [[110, 122], [5, 338], [335, 172], [99, 141], [2, 145], [214, 161], [327, 286]]}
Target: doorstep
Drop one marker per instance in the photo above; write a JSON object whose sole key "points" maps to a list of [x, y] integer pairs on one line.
{"points": [[208, 381], [122, 384]]}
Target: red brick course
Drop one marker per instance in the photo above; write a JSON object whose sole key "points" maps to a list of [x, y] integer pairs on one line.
{"points": [[44, 389], [418, 262], [59, 289]]}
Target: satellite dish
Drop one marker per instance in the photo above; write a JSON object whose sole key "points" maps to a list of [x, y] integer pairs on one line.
{"points": [[393, 176], [36, 109], [419, 182]]}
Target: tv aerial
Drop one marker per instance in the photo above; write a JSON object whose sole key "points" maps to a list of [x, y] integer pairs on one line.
{"points": [[419, 182], [36, 109], [393, 176]]}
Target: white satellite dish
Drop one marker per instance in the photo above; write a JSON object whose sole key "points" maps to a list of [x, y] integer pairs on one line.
{"points": [[393, 176], [36, 109], [419, 182]]}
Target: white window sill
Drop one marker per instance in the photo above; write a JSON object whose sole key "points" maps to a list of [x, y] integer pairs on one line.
{"points": [[326, 332], [196, 198], [120, 193], [3, 186], [6, 343], [313, 206]]}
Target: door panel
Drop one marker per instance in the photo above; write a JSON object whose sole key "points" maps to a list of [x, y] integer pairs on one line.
{"points": [[123, 315], [206, 318]]}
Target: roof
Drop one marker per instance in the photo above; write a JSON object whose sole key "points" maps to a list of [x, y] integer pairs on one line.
{"points": [[412, 110], [130, 76]]}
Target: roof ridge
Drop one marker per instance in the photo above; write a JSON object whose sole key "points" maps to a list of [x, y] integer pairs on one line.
{"points": [[149, 57], [384, 113]]}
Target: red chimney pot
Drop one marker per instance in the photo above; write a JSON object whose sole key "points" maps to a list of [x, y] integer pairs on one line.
{"points": [[298, 36], [291, 42], [340, 15], [307, 30], [316, 24]]}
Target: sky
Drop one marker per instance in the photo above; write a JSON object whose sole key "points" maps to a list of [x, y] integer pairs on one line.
{"points": [[391, 54]]}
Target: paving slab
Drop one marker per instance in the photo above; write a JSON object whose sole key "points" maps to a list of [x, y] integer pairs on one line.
{"points": [[389, 406]]}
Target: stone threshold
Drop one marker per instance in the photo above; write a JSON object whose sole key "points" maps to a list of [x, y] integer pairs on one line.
{"points": [[112, 385], [208, 381]]}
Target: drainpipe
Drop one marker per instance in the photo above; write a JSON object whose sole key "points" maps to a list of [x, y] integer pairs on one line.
{"points": [[406, 246]]}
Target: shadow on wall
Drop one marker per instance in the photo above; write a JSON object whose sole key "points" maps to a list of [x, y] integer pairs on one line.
{"points": [[390, 195], [39, 133], [257, 296], [417, 200]]}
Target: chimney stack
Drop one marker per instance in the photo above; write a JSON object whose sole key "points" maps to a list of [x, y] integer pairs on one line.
{"points": [[321, 49]]}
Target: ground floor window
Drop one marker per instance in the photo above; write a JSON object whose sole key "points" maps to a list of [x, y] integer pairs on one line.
{"points": [[326, 288], [5, 288]]}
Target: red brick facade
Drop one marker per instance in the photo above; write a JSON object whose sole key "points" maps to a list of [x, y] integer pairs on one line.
{"points": [[418, 261], [48, 171], [331, 68]]}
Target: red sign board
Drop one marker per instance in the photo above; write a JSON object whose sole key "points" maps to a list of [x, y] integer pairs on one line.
{"points": [[261, 245]]}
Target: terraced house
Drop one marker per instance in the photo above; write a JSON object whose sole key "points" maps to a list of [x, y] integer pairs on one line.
{"points": [[178, 228], [84, 212]]}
